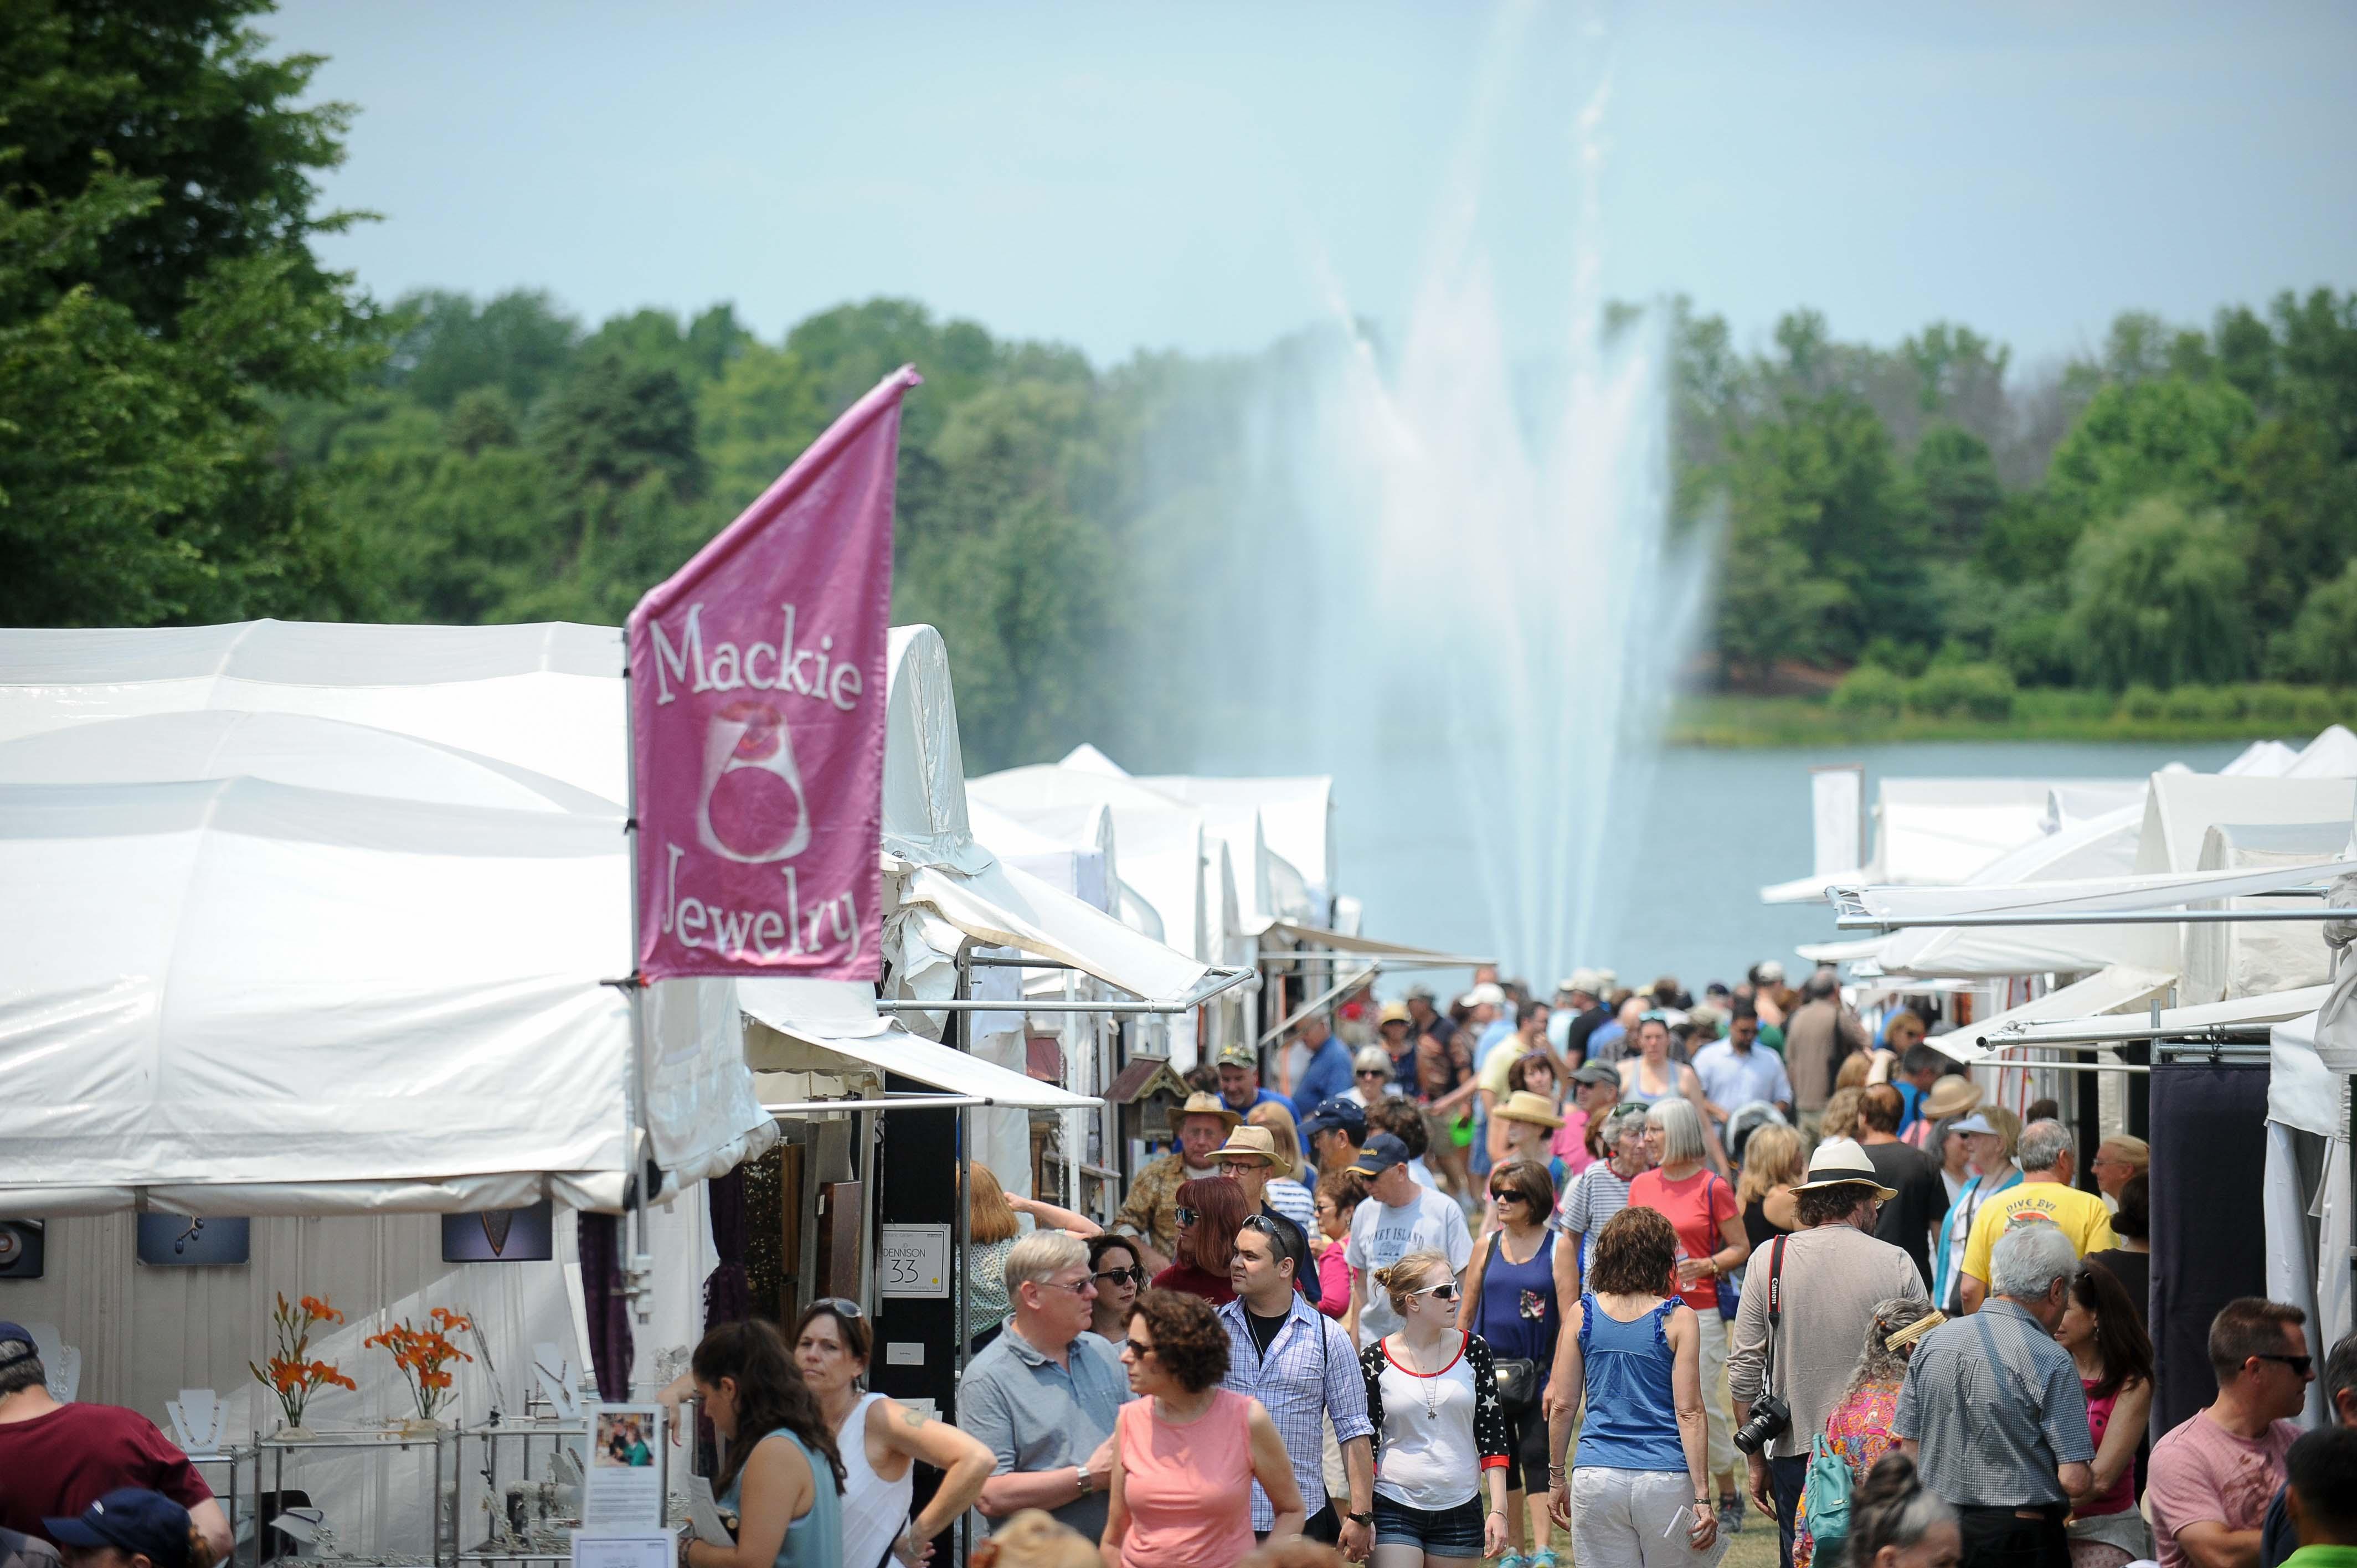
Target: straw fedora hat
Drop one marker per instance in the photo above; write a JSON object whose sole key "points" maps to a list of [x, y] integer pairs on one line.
{"points": [[1528, 1106], [1841, 1162], [1203, 1104], [1248, 1143], [1951, 1096]]}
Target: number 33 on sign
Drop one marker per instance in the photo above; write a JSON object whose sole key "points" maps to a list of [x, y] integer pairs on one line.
{"points": [[914, 1260]]}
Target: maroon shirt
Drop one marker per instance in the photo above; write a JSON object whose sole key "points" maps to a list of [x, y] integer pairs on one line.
{"points": [[58, 1464]]}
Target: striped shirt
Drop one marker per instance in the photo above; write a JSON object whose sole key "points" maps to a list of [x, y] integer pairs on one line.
{"points": [[1995, 1407], [1594, 1195], [1311, 1371], [1292, 1199]]}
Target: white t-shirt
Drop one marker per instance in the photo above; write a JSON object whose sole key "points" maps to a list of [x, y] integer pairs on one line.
{"points": [[1381, 1236], [1429, 1457]]}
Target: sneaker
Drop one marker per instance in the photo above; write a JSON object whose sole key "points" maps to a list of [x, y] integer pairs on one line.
{"points": [[1542, 1558], [1510, 1559], [1730, 1516]]}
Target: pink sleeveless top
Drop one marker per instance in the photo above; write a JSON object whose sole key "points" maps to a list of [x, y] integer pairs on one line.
{"points": [[1189, 1487], [2122, 1496]]}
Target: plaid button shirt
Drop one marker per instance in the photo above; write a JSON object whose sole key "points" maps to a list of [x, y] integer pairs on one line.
{"points": [[1995, 1407], [1311, 1371]]}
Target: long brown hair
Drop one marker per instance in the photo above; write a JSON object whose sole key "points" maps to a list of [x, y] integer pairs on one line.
{"points": [[771, 1394], [1219, 1206], [2120, 1337], [990, 1217]]}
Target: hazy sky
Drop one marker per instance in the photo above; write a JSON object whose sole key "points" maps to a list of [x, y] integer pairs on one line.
{"points": [[1208, 177]]}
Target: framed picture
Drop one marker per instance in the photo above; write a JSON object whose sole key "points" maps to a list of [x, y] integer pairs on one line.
{"points": [[500, 1235], [175, 1241], [20, 1249]]}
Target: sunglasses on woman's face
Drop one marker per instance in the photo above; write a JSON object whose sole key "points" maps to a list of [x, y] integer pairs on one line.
{"points": [[1445, 1291], [1111, 1278], [1505, 1197], [1185, 1215], [1373, 1072]]}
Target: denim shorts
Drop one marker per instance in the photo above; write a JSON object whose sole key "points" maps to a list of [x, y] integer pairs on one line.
{"points": [[1442, 1532]]}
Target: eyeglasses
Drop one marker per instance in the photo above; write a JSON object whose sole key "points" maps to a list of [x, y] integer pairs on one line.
{"points": [[2299, 1364], [1078, 1287], [1373, 1072], [1508, 1197], [1445, 1291], [837, 1305], [1185, 1214], [1112, 1277]]}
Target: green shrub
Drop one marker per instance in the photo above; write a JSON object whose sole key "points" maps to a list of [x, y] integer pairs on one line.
{"points": [[2272, 701], [2141, 701], [1907, 659], [1983, 691], [2034, 650], [2320, 705], [1869, 691], [2200, 704]]}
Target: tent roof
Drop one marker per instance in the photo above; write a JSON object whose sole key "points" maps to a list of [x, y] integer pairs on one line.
{"points": [[2108, 990], [839, 1018], [2183, 807], [2090, 895], [547, 697], [1002, 906], [925, 819], [2331, 755], [2104, 845], [2237, 1012], [1159, 843], [1296, 820], [239, 997]]}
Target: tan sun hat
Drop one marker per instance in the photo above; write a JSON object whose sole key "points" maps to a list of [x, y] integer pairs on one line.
{"points": [[1248, 1143], [1842, 1162], [1528, 1106], [1202, 1104], [1951, 1096]]}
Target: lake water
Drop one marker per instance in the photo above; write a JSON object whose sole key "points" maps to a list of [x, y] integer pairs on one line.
{"points": [[1699, 837]]}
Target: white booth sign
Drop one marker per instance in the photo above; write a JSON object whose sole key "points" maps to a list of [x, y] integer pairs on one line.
{"points": [[914, 1260]]}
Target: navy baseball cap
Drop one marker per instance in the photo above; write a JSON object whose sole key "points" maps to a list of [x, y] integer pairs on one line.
{"points": [[1383, 1152], [1336, 1112], [21, 1334], [134, 1520]]}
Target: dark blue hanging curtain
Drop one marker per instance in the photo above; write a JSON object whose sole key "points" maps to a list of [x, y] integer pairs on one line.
{"points": [[608, 1309], [2209, 1166]]}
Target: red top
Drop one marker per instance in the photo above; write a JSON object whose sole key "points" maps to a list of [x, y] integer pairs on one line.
{"points": [[1695, 1209], [60, 1464], [1213, 1288]]}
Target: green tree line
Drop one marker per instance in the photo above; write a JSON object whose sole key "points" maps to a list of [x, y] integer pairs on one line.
{"points": [[200, 422]]}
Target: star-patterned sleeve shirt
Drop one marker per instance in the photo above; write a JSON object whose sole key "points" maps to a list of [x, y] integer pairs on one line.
{"points": [[1439, 1398]]}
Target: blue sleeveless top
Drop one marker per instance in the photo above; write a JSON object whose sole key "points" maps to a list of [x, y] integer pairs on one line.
{"points": [[1518, 1315], [815, 1540], [1633, 1421]]}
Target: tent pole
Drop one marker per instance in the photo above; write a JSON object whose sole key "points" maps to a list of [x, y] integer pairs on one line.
{"points": [[964, 1021], [638, 1267]]}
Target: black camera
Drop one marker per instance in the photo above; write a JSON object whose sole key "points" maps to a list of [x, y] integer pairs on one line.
{"points": [[1771, 1419]]}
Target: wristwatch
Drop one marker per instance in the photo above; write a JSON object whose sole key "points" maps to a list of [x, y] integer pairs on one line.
{"points": [[1080, 1475], [1359, 1517]]}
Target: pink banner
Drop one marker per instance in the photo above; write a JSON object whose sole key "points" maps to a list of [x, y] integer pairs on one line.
{"points": [[756, 722]]}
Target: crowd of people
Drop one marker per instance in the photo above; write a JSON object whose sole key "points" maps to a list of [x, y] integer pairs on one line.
{"points": [[1640, 1269]]}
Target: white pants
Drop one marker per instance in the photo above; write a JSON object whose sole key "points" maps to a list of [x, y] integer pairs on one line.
{"points": [[1630, 1518]]}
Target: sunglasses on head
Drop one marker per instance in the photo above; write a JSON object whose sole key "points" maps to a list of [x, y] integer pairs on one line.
{"points": [[838, 1306]]}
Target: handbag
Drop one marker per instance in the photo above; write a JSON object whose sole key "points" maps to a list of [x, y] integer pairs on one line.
{"points": [[1825, 1499], [1519, 1382]]}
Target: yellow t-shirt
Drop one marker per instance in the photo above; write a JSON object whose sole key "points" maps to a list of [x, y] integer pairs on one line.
{"points": [[2081, 1215]]}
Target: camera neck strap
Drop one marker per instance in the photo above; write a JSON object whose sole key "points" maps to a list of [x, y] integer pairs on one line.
{"points": [[1775, 1307]]}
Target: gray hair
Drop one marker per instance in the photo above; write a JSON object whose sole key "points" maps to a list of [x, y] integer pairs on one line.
{"points": [[2028, 1259], [2042, 1143], [1681, 1126], [24, 1368], [1879, 1363], [1040, 1257], [1619, 1119]]}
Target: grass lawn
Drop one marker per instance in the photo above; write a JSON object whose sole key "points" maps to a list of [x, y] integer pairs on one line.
{"points": [[2220, 713]]}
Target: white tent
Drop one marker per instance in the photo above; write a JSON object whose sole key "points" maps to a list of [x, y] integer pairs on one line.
{"points": [[545, 697], [187, 910], [2183, 807], [1296, 824], [1939, 831], [2331, 755], [2108, 990]]}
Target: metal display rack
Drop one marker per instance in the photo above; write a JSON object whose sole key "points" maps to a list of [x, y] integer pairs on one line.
{"points": [[508, 1538], [444, 1528]]}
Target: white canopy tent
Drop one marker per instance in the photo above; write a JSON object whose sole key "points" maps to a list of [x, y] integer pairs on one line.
{"points": [[1939, 831]]}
